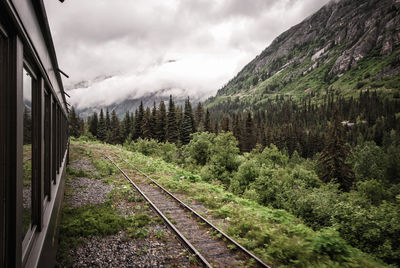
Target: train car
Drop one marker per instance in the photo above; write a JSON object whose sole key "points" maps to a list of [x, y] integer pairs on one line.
{"points": [[33, 136]]}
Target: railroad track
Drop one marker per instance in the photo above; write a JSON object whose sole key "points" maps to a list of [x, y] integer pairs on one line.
{"points": [[212, 247]]}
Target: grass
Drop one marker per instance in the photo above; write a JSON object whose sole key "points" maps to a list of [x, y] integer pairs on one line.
{"points": [[274, 235]]}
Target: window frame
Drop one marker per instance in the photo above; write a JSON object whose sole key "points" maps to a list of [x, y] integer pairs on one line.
{"points": [[28, 238], [3, 73]]}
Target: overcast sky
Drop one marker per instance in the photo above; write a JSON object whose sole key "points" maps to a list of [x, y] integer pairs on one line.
{"points": [[147, 45]]}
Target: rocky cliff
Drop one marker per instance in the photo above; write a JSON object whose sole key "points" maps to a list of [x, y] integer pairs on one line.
{"points": [[346, 45]]}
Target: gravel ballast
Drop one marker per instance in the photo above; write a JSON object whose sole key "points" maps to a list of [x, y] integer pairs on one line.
{"points": [[120, 249]]}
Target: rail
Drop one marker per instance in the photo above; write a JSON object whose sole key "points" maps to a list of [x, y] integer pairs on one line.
{"points": [[173, 228], [231, 240]]}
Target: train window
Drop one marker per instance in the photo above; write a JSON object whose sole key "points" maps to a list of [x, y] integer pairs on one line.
{"points": [[27, 154], [47, 145], [54, 141]]}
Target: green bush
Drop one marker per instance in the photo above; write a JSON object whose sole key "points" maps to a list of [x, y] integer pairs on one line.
{"points": [[374, 229], [247, 173], [167, 151], [328, 242], [224, 159], [200, 148], [373, 191], [369, 162]]}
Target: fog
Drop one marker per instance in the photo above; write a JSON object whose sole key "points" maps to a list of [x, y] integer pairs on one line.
{"points": [[143, 46]]}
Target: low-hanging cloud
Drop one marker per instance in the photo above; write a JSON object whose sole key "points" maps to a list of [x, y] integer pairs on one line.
{"points": [[148, 45]]}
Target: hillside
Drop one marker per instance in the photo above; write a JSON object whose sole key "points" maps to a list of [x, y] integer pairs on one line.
{"points": [[346, 46]]}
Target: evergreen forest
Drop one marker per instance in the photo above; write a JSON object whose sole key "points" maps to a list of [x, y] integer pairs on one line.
{"points": [[335, 164]]}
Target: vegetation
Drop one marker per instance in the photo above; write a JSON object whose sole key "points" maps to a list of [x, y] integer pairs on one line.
{"points": [[300, 183], [285, 214]]}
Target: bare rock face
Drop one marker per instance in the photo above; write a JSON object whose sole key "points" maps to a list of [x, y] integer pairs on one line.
{"points": [[346, 30]]}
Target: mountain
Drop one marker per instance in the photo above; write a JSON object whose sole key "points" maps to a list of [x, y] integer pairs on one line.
{"points": [[346, 46], [131, 104]]}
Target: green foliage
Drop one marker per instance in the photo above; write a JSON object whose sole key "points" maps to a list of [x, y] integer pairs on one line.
{"points": [[332, 161], [78, 173], [75, 123], [104, 167], [328, 242], [91, 220], [271, 156], [369, 162], [247, 173], [166, 151], [374, 229], [364, 216], [172, 133], [224, 159], [276, 235], [200, 147], [101, 127], [188, 124]]}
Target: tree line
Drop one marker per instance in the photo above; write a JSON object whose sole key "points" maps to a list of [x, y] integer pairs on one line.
{"points": [[290, 125], [163, 123]]}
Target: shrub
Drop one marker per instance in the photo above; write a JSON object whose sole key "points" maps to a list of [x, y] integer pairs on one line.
{"points": [[369, 162], [247, 173], [271, 156], [224, 159], [200, 147], [328, 242]]}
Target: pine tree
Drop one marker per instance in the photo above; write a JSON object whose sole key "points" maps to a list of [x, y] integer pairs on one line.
{"points": [[332, 161], [126, 126], [94, 124], [75, 123], [172, 127], [199, 117], [115, 136], [216, 127], [153, 122], [161, 126], [225, 124], [179, 118], [108, 121], [146, 132], [133, 122], [187, 126], [101, 130], [207, 122], [248, 140], [139, 122]]}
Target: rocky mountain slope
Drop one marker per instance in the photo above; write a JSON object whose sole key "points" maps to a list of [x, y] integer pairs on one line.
{"points": [[346, 46]]}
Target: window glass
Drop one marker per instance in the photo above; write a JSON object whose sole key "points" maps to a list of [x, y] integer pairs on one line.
{"points": [[27, 154], [47, 144]]}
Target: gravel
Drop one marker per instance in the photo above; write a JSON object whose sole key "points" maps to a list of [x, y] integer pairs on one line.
{"points": [[87, 191], [83, 163], [117, 251]]}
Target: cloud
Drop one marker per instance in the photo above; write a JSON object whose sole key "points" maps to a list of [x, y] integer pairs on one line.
{"points": [[132, 41]]}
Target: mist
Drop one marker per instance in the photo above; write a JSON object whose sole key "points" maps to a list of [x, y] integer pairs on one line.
{"points": [[146, 45]]}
